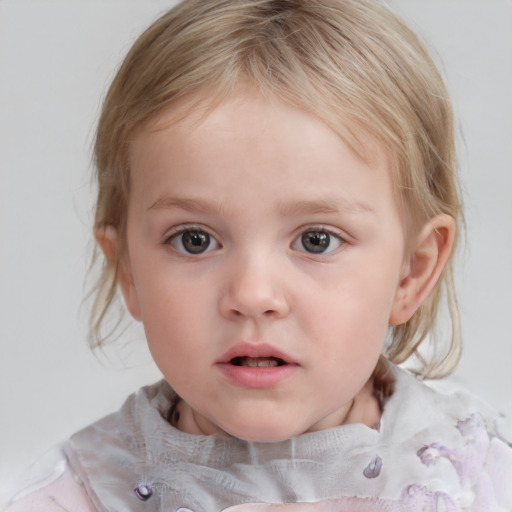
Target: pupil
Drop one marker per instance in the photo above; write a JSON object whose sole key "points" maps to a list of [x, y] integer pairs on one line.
{"points": [[196, 242], [316, 241]]}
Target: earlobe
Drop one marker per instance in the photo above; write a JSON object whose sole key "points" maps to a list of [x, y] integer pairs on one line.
{"points": [[424, 267], [107, 239]]}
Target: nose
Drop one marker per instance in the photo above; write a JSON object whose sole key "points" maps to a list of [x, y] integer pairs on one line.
{"points": [[254, 289]]}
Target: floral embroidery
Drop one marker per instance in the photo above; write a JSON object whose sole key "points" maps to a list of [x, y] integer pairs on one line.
{"points": [[373, 469], [143, 492]]}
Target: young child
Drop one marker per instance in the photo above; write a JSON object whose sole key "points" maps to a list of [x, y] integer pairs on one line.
{"points": [[278, 204]]}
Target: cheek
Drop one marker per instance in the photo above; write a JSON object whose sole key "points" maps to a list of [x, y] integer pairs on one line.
{"points": [[174, 313], [351, 318], [167, 314], [360, 298], [168, 328]]}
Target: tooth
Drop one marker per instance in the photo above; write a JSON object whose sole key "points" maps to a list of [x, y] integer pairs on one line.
{"points": [[255, 362]]}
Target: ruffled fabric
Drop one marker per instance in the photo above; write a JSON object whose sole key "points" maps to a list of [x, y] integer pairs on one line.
{"points": [[433, 451]]}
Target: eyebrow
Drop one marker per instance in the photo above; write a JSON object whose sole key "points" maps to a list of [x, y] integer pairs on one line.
{"points": [[189, 205], [334, 205], [326, 206]]}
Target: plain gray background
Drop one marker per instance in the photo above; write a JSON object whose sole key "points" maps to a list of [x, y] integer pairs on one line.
{"points": [[56, 58]]}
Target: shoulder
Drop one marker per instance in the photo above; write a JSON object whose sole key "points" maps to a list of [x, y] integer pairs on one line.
{"points": [[99, 463], [50, 485], [450, 432], [438, 403]]}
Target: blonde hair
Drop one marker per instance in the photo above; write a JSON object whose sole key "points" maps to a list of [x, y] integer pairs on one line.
{"points": [[353, 63]]}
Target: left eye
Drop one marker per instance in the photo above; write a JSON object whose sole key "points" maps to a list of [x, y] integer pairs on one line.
{"points": [[193, 241], [317, 242]]}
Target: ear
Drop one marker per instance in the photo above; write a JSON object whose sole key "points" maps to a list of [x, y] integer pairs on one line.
{"points": [[422, 270], [107, 239]]}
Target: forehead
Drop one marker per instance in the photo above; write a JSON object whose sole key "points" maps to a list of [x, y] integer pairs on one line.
{"points": [[248, 142], [210, 103]]}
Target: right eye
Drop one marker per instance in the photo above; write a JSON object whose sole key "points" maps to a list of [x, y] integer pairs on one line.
{"points": [[318, 241], [193, 241]]}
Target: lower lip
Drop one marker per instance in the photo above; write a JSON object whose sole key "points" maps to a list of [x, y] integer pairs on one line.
{"points": [[259, 377]]}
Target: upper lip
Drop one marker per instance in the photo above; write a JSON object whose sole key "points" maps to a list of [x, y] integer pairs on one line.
{"points": [[247, 349]]}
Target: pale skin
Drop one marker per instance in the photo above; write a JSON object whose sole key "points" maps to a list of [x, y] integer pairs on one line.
{"points": [[255, 228]]}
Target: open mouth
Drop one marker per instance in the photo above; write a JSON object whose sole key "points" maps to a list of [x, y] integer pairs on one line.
{"points": [[257, 362], [257, 366]]}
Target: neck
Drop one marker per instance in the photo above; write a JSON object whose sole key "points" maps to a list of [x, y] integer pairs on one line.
{"points": [[364, 408]]}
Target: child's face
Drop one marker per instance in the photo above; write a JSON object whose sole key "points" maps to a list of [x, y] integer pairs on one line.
{"points": [[256, 238]]}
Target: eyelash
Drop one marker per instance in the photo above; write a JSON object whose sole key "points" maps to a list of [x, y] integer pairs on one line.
{"points": [[178, 243], [174, 237], [319, 230]]}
